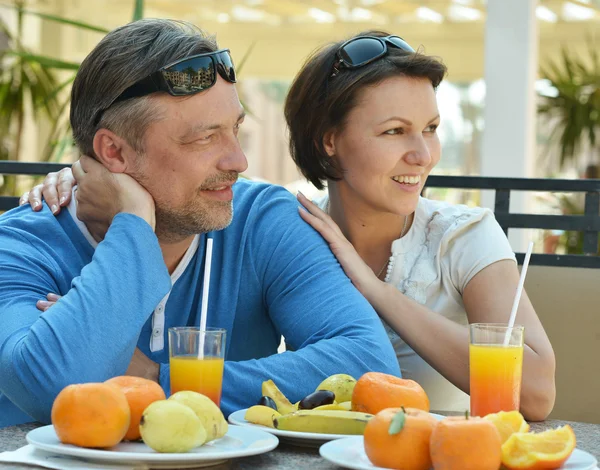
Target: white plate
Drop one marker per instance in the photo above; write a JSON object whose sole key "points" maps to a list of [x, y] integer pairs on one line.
{"points": [[238, 442], [305, 439], [350, 453]]}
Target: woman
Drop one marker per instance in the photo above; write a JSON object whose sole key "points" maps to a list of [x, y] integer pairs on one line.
{"points": [[428, 268]]}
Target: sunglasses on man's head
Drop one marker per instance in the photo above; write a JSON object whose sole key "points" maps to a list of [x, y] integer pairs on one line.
{"points": [[360, 51], [183, 77]]}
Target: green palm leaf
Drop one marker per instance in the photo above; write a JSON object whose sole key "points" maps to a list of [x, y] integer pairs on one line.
{"points": [[576, 108], [46, 61], [59, 19], [138, 10]]}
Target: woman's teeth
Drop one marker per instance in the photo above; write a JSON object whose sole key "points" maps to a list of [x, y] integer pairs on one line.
{"points": [[407, 179]]}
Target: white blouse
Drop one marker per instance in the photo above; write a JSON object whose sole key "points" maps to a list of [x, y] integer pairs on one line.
{"points": [[432, 264]]}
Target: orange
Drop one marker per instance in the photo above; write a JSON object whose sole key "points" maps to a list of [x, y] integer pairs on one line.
{"points": [[507, 423], [375, 391], [465, 443], [91, 415], [139, 393], [539, 451], [402, 445]]}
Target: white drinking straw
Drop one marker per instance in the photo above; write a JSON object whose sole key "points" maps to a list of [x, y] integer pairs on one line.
{"points": [[205, 288], [513, 313]]}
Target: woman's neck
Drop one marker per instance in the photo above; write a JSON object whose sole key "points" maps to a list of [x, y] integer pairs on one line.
{"points": [[370, 231]]}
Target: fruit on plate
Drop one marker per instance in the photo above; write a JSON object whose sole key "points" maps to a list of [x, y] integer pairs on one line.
{"points": [[91, 415], [375, 391], [539, 451], [269, 389], [333, 406], [324, 422], [263, 415], [318, 398], [267, 401], [210, 415], [169, 426], [508, 423], [399, 438], [465, 443], [140, 393], [346, 405], [342, 385]]}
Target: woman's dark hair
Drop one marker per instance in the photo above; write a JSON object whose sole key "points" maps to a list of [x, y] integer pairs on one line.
{"points": [[318, 103]]}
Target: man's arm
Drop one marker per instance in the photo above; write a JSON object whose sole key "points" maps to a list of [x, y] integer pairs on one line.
{"points": [[90, 334], [324, 319]]}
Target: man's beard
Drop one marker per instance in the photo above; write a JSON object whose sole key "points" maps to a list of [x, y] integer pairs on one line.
{"points": [[173, 225], [198, 215]]}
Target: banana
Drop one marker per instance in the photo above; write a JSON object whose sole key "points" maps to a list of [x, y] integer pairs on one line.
{"points": [[324, 421], [269, 389], [332, 406], [346, 405], [260, 414]]}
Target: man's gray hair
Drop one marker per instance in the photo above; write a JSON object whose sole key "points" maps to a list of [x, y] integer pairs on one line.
{"points": [[123, 57]]}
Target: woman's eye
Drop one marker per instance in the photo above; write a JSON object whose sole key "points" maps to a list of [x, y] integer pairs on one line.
{"points": [[432, 128], [395, 131]]}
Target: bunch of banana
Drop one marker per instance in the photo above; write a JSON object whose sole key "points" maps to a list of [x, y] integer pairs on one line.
{"points": [[323, 421], [318, 412]]}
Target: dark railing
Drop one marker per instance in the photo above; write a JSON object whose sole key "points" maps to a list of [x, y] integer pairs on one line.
{"points": [[588, 223]]}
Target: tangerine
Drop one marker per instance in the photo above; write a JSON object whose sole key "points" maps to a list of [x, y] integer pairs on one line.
{"points": [[539, 451], [399, 438], [140, 393], [91, 415], [376, 391], [465, 443]]}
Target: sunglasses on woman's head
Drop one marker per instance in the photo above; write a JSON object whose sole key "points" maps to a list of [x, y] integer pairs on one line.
{"points": [[360, 51], [184, 77]]}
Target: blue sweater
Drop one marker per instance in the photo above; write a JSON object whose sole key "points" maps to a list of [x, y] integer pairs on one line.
{"points": [[272, 275]]}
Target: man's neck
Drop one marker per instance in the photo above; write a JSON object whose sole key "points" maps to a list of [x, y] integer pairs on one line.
{"points": [[173, 252]]}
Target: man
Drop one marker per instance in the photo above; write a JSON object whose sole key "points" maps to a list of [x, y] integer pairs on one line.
{"points": [[155, 105]]}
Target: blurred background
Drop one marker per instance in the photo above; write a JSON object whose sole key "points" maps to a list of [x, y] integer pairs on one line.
{"points": [[522, 97]]}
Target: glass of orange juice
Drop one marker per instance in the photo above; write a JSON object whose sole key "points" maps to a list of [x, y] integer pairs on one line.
{"points": [[196, 359], [496, 366]]}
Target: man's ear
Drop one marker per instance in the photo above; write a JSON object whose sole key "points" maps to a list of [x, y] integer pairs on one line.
{"points": [[112, 151], [329, 143]]}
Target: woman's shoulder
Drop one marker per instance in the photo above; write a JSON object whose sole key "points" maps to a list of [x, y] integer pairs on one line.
{"points": [[447, 218]]}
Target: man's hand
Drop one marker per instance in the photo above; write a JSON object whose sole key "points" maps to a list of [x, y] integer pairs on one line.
{"points": [[101, 195], [140, 365]]}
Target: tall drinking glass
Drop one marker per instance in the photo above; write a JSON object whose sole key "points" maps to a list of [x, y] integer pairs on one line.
{"points": [[496, 366], [197, 358]]}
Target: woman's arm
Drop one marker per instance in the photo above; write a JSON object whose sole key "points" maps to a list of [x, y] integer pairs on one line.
{"points": [[488, 298], [444, 344]]}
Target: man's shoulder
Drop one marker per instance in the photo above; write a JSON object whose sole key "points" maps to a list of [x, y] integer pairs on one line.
{"points": [[23, 224], [250, 195]]}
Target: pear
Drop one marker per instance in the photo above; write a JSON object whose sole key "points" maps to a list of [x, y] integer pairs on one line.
{"points": [[168, 426], [209, 414], [342, 385]]}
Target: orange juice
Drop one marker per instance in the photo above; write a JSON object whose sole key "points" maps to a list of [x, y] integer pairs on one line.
{"points": [[495, 378], [204, 376]]}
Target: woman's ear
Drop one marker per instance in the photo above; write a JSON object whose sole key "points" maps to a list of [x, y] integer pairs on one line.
{"points": [[112, 151], [329, 143]]}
